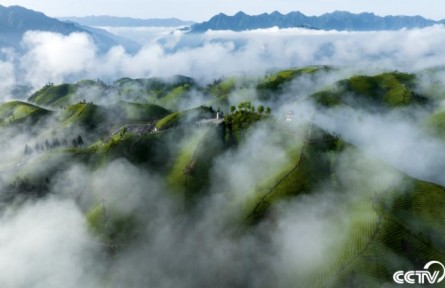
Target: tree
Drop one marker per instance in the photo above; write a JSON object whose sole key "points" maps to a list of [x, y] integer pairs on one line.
{"points": [[55, 143], [28, 150], [47, 145], [232, 109], [268, 110], [79, 141], [260, 109], [244, 106], [123, 132]]}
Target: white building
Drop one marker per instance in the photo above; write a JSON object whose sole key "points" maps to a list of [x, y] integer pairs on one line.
{"points": [[289, 116]]}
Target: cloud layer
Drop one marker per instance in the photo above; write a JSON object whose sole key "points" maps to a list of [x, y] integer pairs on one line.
{"points": [[55, 58]]}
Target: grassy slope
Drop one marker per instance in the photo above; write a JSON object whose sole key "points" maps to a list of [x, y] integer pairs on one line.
{"points": [[220, 91], [275, 83], [166, 92], [129, 112], [51, 94], [88, 116], [307, 167], [275, 80], [114, 229], [188, 116], [388, 90], [406, 221], [189, 174], [150, 150], [397, 221], [66, 94], [16, 112], [436, 123]]}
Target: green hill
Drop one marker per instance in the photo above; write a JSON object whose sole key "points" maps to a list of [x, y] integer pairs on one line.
{"points": [[310, 162], [190, 172], [388, 90], [435, 123], [129, 112], [67, 94], [14, 112], [389, 222], [221, 89], [274, 84], [114, 229], [88, 116], [185, 117], [166, 92], [50, 95]]}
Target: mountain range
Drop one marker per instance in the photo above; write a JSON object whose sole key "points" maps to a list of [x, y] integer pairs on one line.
{"points": [[338, 20], [15, 21], [111, 21]]}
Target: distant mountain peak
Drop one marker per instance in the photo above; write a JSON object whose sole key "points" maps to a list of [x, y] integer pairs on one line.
{"points": [[336, 20], [276, 13], [240, 13]]}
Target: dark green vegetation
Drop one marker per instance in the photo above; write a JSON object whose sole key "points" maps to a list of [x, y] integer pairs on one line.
{"points": [[370, 92], [275, 84], [189, 148], [167, 92], [114, 230], [192, 115]]}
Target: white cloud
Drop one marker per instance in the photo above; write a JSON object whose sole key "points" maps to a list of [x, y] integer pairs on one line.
{"points": [[46, 245], [57, 58], [53, 57]]}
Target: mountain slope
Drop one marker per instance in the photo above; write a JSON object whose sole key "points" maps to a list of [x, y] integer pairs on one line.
{"points": [[382, 91], [338, 20], [16, 112], [111, 21], [16, 20]]}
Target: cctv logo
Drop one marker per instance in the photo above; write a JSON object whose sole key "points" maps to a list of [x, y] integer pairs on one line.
{"points": [[422, 276]]}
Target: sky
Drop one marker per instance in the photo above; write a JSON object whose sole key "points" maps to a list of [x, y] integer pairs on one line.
{"points": [[200, 10]]}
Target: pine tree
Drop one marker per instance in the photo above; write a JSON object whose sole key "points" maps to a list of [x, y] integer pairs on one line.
{"points": [[28, 150], [79, 141]]}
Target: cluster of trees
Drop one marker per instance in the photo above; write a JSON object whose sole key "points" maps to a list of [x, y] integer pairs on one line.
{"points": [[248, 106], [25, 187], [54, 143]]}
